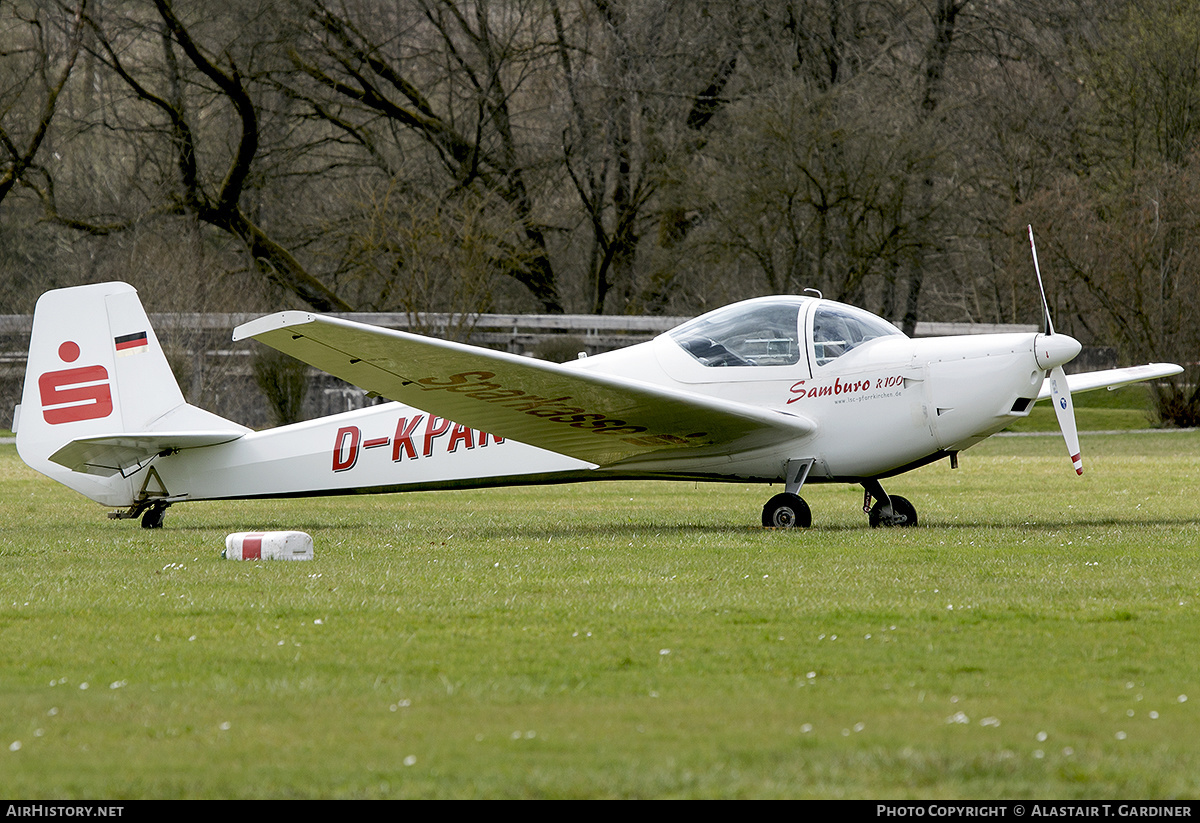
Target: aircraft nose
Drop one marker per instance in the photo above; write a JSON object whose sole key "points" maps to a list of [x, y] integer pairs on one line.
{"points": [[1052, 350]]}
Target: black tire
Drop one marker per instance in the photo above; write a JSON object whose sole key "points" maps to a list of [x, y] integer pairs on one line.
{"points": [[153, 518], [786, 511], [900, 506]]}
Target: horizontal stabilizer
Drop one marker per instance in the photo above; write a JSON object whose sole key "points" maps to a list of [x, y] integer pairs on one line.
{"points": [[107, 454], [1113, 378], [585, 414]]}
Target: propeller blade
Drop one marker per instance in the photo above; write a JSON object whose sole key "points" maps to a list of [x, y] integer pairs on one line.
{"points": [[1063, 350], [1038, 271], [1064, 409]]}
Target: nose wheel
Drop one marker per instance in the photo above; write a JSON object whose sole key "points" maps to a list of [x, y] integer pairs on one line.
{"points": [[888, 511], [903, 514]]}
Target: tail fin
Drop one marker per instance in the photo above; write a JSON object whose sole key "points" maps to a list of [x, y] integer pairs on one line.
{"points": [[100, 401]]}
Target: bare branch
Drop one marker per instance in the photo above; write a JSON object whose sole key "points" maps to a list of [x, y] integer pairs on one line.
{"points": [[21, 158]]}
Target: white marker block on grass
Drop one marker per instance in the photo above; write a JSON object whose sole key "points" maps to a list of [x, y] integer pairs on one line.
{"points": [[268, 546]]}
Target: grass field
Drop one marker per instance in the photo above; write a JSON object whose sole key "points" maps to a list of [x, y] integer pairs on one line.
{"points": [[1036, 637]]}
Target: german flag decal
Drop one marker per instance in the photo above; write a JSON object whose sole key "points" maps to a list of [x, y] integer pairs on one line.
{"points": [[131, 343]]}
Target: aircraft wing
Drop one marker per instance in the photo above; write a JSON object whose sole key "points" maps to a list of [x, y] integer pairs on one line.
{"points": [[600, 418], [105, 455], [1113, 378]]}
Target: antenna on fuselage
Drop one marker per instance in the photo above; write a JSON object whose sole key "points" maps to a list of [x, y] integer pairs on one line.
{"points": [[817, 292]]}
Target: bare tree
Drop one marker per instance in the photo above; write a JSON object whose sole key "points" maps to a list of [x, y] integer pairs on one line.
{"points": [[30, 42], [446, 73], [644, 85], [417, 252], [607, 155], [209, 174], [825, 173], [1123, 225], [813, 189], [1124, 266]]}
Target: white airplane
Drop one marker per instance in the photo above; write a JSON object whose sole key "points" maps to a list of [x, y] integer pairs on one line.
{"points": [[789, 390]]}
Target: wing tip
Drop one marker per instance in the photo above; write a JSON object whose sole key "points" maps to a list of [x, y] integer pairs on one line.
{"points": [[272, 322]]}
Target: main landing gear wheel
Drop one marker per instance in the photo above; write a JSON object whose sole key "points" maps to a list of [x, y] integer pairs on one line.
{"points": [[786, 511], [153, 518], [904, 514]]}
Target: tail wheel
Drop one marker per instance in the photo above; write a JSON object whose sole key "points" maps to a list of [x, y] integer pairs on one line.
{"points": [[786, 511], [153, 518], [904, 514]]}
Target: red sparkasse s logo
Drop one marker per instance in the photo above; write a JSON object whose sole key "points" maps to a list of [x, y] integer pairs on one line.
{"points": [[71, 395]]}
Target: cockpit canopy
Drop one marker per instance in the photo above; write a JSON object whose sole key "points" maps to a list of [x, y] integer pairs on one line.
{"points": [[771, 332], [838, 328], [744, 334]]}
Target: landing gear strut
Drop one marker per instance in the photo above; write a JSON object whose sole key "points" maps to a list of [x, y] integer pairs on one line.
{"points": [[888, 510]]}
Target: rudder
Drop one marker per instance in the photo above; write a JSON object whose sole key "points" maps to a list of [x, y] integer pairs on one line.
{"points": [[96, 370]]}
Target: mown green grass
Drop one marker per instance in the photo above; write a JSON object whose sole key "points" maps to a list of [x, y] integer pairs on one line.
{"points": [[1037, 636]]}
